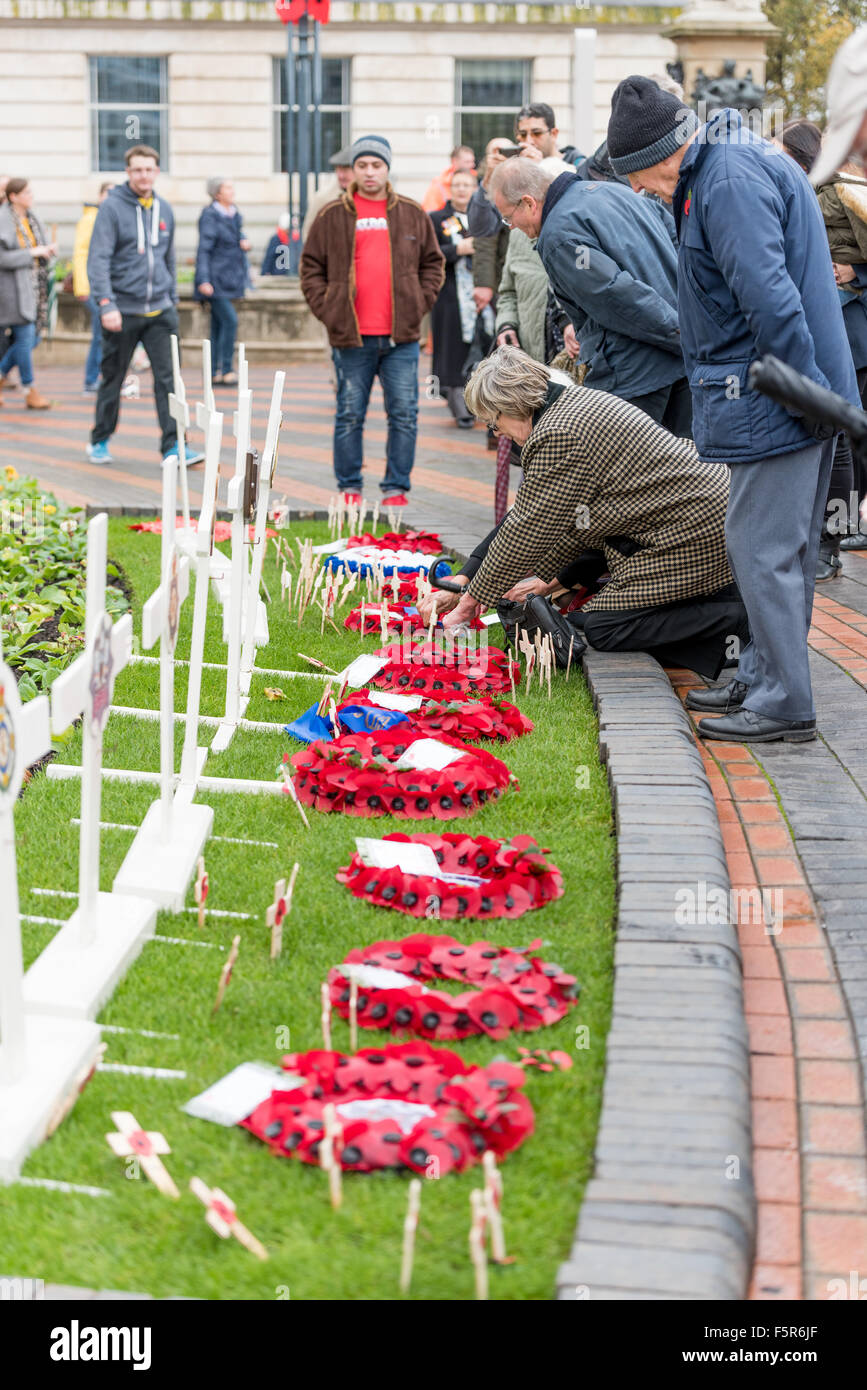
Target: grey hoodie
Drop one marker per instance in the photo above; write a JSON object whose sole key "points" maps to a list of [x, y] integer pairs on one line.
{"points": [[131, 261]]}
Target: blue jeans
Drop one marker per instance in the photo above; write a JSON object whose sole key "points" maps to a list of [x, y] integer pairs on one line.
{"points": [[94, 352], [224, 325], [24, 340], [396, 364]]}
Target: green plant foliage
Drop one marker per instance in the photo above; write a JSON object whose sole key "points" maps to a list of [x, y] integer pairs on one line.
{"points": [[43, 572], [800, 58]]}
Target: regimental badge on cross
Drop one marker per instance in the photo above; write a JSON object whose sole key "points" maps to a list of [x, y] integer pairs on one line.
{"points": [[145, 1145], [222, 1217], [102, 666], [7, 745]]}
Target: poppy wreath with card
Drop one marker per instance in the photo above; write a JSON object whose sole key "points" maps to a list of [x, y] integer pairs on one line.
{"points": [[396, 616], [515, 877], [406, 1105], [470, 720], [444, 671], [513, 990], [356, 774], [426, 542]]}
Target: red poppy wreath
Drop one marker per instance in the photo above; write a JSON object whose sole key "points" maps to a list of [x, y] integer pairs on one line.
{"points": [[404, 1105], [514, 876], [444, 674], [425, 542], [516, 991], [471, 720], [357, 773]]}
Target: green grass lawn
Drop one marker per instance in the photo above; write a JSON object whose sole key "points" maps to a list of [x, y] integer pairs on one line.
{"points": [[138, 1240]]}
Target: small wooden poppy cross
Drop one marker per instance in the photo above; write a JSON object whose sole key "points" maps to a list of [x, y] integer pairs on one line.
{"points": [[223, 1218], [279, 909], [145, 1145], [200, 891], [226, 972]]}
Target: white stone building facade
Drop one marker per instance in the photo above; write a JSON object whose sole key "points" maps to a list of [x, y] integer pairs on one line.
{"points": [[81, 77]]}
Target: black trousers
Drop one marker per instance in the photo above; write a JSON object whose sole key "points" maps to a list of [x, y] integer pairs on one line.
{"points": [[117, 350], [670, 406], [696, 633]]}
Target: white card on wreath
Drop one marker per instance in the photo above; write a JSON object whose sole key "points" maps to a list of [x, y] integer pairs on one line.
{"points": [[398, 854], [362, 670], [378, 977], [386, 700], [429, 754], [330, 548], [236, 1095], [489, 619]]}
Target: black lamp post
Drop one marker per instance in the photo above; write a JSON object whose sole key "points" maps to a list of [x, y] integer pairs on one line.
{"points": [[304, 90]]}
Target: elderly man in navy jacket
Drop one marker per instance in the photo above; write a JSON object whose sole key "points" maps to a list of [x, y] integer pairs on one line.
{"points": [[754, 277], [611, 259]]}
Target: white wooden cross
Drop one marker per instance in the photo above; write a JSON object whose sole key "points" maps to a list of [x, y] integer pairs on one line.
{"points": [[180, 413], [25, 737], [242, 429], [266, 480], [160, 618], [192, 761], [85, 689]]}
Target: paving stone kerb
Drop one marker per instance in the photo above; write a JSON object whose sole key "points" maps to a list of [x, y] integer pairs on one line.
{"points": [[670, 1212]]}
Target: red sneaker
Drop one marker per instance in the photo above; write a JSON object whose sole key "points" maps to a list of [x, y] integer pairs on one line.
{"points": [[352, 498], [398, 500]]}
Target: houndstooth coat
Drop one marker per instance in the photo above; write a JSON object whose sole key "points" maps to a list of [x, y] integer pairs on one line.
{"points": [[596, 470]]}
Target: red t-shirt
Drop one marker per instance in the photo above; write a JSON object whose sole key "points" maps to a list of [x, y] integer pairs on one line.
{"points": [[372, 267]]}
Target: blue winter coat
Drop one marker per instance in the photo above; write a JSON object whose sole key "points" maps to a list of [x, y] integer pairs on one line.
{"points": [[612, 261], [219, 259], [754, 277]]}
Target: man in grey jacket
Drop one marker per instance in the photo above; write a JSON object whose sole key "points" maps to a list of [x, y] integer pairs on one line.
{"points": [[131, 268], [611, 259]]}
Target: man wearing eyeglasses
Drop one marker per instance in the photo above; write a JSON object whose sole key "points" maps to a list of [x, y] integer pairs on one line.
{"points": [[611, 259]]}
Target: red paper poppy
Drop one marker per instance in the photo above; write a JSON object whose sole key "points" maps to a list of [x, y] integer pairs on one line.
{"points": [[396, 618], [470, 720], [355, 773], [426, 542], [403, 1105], [516, 992], [517, 878], [444, 670]]}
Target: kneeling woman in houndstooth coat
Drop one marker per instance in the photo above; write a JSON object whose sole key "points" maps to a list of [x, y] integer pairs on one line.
{"points": [[600, 474]]}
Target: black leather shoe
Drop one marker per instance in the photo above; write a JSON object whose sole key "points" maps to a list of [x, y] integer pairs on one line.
{"points": [[718, 699], [828, 564], [538, 613], [745, 726], [856, 542]]}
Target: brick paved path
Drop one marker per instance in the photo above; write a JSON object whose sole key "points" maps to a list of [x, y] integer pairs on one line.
{"points": [[794, 820], [453, 478]]}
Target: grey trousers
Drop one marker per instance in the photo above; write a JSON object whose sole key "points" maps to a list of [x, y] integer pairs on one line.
{"points": [[773, 523]]}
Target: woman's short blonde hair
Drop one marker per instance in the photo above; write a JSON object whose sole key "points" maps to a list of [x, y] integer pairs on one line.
{"points": [[509, 382]]}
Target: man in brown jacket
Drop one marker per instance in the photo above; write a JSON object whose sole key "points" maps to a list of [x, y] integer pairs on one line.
{"points": [[370, 270]]}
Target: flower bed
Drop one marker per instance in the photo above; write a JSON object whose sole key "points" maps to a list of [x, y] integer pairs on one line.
{"points": [[43, 574]]}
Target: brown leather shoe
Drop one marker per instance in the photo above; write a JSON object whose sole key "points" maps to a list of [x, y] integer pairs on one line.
{"points": [[34, 401]]}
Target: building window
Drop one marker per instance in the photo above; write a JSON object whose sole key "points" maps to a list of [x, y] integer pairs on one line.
{"points": [[335, 108], [128, 106], [489, 93]]}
